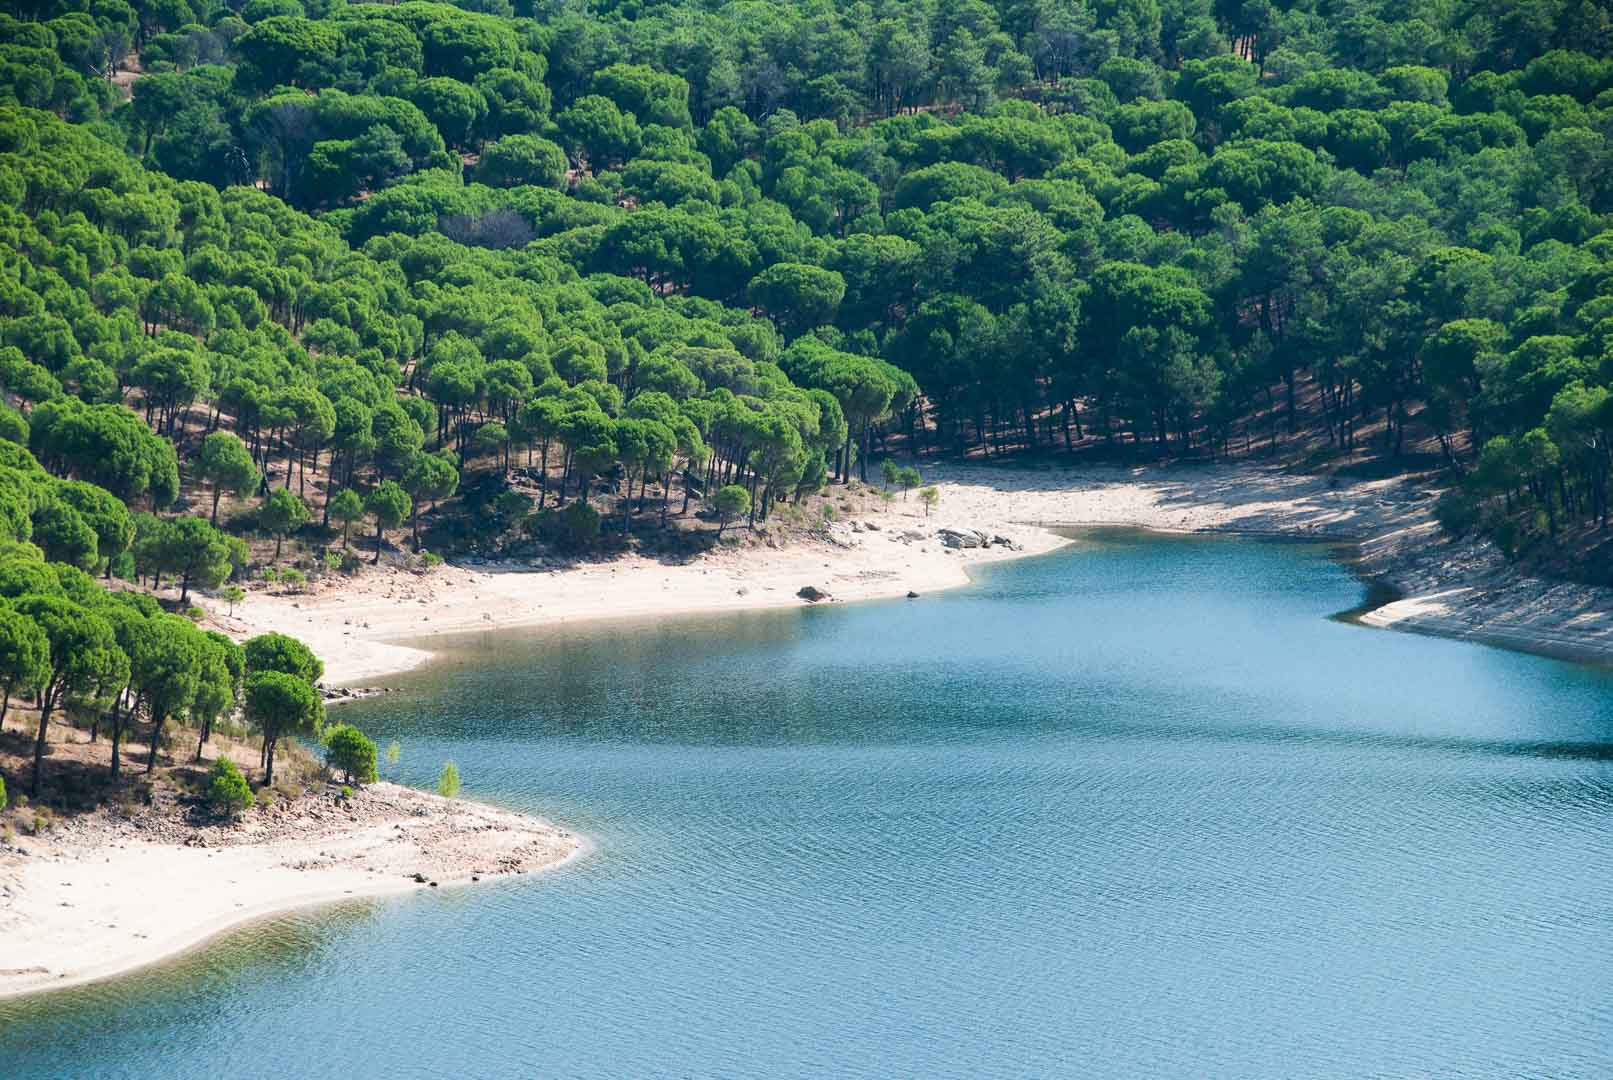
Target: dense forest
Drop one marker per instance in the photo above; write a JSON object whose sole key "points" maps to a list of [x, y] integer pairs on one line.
{"points": [[359, 264]]}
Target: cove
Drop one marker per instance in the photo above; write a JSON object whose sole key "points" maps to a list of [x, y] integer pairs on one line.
{"points": [[1136, 808]]}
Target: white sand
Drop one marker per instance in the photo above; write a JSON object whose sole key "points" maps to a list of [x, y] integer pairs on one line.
{"points": [[1462, 589], [95, 899], [357, 626]]}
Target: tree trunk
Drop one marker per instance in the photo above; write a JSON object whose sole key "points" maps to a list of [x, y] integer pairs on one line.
{"points": [[543, 477], [217, 493], [377, 544], [158, 722], [207, 729], [46, 702], [117, 734], [268, 767]]}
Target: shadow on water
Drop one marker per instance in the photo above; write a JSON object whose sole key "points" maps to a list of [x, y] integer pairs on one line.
{"points": [[1361, 740], [286, 946], [1379, 593]]}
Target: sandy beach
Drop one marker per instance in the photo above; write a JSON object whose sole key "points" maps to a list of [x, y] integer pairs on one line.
{"points": [[1460, 588], [105, 894]]}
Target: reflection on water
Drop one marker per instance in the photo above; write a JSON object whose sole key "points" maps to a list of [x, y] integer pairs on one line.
{"points": [[1138, 808]]}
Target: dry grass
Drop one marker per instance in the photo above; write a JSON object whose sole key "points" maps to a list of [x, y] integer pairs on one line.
{"points": [[77, 778]]}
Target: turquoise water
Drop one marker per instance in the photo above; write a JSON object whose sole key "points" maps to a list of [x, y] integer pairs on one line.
{"points": [[1135, 809]]}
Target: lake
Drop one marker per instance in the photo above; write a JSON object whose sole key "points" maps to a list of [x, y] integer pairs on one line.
{"points": [[1138, 808]]}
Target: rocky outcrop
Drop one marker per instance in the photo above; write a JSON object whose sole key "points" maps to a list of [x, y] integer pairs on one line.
{"points": [[963, 538]]}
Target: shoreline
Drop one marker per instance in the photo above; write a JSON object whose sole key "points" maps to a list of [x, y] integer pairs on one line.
{"points": [[1448, 588], [200, 937], [373, 627], [65, 901]]}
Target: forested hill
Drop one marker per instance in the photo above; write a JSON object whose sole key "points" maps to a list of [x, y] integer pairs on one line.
{"points": [[348, 252]]}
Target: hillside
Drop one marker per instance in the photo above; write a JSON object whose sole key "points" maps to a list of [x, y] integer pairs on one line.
{"points": [[290, 287]]}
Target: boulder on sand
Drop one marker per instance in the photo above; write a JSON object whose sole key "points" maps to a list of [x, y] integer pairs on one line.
{"points": [[811, 594], [963, 538]]}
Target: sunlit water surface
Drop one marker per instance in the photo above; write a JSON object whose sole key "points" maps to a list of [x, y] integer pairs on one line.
{"points": [[1134, 809]]}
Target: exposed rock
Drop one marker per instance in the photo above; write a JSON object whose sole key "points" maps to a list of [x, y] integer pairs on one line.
{"points": [[963, 538], [335, 694], [838, 535], [911, 595], [812, 594]]}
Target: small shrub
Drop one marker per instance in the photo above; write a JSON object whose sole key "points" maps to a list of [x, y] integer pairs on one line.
{"points": [[1507, 535], [1457, 512], [232, 595], [293, 577], [227, 790], [574, 528], [333, 560], [907, 479], [828, 512], [2, 793], [195, 614], [347, 792], [510, 505], [929, 496], [271, 575], [448, 780], [730, 502], [350, 751], [430, 560]]}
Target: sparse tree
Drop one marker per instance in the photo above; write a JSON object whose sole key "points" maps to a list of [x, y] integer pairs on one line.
{"points": [[350, 751], [227, 790], [346, 508], [730, 502], [226, 463], [278, 705], [282, 514], [389, 505]]}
